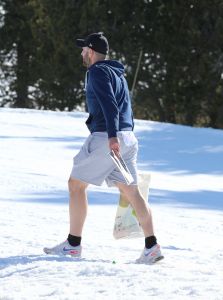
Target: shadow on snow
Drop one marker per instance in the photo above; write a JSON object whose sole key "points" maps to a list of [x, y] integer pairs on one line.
{"points": [[196, 199], [174, 147]]}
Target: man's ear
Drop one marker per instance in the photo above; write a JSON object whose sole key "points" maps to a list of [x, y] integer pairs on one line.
{"points": [[91, 52]]}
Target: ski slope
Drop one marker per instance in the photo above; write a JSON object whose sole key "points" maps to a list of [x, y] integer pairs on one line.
{"points": [[186, 196]]}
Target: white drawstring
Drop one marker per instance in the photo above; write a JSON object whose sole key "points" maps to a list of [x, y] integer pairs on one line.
{"points": [[86, 81]]}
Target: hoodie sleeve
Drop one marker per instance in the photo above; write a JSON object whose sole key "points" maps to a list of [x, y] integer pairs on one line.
{"points": [[102, 88]]}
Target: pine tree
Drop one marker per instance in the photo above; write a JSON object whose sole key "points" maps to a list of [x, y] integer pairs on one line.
{"points": [[16, 47]]}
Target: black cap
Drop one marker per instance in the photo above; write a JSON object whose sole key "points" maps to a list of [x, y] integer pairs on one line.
{"points": [[95, 41]]}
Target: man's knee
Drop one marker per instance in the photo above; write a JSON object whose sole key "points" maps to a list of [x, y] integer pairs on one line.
{"points": [[128, 190], [76, 185]]}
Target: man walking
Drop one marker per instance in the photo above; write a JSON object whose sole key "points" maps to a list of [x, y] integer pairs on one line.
{"points": [[111, 126]]}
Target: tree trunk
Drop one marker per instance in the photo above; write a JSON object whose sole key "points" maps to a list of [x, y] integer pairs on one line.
{"points": [[219, 122], [22, 77]]}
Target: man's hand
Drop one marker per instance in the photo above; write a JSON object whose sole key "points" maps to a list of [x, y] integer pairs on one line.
{"points": [[114, 145]]}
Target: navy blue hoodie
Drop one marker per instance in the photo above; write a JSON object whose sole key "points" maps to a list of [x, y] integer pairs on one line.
{"points": [[108, 98]]}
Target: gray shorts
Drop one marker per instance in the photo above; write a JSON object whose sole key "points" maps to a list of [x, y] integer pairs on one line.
{"points": [[93, 163]]}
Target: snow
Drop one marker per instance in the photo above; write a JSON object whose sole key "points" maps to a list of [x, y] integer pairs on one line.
{"points": [[186, 196]]}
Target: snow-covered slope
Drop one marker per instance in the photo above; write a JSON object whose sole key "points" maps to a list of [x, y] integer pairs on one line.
{"points": [[186, 195]]}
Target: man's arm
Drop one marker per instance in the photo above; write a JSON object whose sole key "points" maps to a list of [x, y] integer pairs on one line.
{"points": [[103, 90]]}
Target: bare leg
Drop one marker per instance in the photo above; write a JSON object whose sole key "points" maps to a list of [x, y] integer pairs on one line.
{"points": [[77, 206], [123, 201], [143, 212]]}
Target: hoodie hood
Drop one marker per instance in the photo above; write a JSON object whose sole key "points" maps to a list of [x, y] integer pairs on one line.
{"points": [[116, 66]]}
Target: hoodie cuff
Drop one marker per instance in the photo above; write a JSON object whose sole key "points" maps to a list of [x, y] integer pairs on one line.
{"points": [[112, 134]]}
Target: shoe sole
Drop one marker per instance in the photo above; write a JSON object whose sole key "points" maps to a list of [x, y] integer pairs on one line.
{"points": [[158, 259], [151, 261], [48, 251]]}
